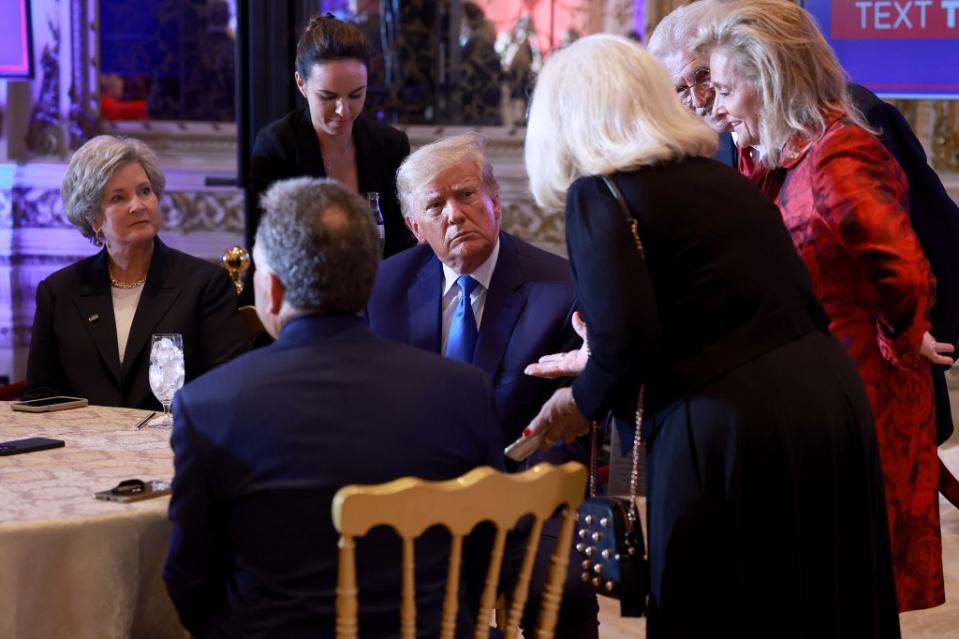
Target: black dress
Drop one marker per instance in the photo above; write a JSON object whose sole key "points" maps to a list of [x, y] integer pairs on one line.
{"points": [[765, 502], [289, 148]]}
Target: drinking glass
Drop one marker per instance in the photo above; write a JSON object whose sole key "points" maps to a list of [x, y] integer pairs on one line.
{"points": [[166, 372]]}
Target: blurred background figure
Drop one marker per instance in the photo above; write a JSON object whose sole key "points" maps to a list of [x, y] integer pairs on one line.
{"points": [[94, 318], [482, 83], [521, 57], [843, 198]]}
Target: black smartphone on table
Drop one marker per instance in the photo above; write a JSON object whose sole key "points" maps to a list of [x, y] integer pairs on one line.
{"points": [[135, 490], [47, 404], [29, 445]]}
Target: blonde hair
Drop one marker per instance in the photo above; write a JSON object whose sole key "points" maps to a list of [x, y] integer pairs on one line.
{"points": [[92, 166], [603, 105], [777, 47], [428, 161]]}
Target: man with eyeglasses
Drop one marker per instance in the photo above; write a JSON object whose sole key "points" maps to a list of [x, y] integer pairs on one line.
{"points": [[670, 45]]}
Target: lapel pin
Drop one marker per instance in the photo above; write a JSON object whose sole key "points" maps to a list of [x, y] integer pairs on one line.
{"points": [[93, 317]]}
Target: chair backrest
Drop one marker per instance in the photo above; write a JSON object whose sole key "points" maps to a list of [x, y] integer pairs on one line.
{"points": [[411, 506]]}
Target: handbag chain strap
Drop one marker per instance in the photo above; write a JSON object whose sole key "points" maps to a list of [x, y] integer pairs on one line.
{"points": [[632, 515]]}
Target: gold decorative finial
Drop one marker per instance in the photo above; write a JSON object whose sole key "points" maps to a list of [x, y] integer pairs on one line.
{"points": [[236, 260]]}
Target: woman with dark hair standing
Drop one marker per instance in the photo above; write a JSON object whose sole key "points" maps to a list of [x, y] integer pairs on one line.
{"points": [[328, 138]]}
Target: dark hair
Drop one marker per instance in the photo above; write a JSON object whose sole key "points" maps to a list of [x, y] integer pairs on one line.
{"points": [[317, 237], [327, 39]]}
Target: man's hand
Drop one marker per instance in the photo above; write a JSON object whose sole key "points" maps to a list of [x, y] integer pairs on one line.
{"points": [[568, 364], [931, 350]]}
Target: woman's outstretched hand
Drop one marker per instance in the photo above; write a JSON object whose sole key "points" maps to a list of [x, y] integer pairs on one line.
{"points": [[568, 364], [932, 350], [559, 418]]}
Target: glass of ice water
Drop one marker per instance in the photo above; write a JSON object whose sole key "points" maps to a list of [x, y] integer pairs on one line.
{"points": [[166, 372]]}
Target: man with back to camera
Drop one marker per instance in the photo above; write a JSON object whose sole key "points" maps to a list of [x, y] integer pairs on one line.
{"points": [[933, 214], [262, 444], [474, 293]]}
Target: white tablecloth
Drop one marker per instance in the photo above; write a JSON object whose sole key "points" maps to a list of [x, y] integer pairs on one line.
{"points": [[72, 566]]}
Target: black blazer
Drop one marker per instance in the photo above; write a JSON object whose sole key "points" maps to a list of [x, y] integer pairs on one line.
{"points": [[721, 283], [289, 148], [73, 350]]}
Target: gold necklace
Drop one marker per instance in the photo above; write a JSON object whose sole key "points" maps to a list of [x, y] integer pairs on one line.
{"points": [[118, 284]]}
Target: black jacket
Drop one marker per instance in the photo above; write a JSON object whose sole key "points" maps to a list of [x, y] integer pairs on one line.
{"points": [[289, 148], [73, 350]]}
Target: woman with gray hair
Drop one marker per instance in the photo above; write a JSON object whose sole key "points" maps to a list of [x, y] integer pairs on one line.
{"points": [[94, 318], [765, 511], [843, 199]]}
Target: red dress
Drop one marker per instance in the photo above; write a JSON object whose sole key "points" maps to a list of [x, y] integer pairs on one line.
{"points": [[844, 202]]}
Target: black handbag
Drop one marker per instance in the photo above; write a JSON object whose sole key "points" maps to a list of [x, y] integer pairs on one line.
{"points": [[609, 532]]}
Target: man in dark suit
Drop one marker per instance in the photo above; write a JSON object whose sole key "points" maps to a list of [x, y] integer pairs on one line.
{"points": [[261, 445], [472, 292]]}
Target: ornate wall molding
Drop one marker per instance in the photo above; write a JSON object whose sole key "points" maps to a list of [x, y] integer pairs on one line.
{"points": [[182, 212], [38, 208], [83, 112], [44, 133]]}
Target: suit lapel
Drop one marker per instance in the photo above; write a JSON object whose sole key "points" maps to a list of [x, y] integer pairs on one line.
{"points": [[95, 306], [158, 296], [504, 303], [423, 302], [368, 159], [311, 157]]}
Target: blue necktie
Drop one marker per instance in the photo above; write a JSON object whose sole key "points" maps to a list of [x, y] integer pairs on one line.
{"points": [[462, 338]]}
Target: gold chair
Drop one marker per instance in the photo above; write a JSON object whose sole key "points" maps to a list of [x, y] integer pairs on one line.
{"points": [[411, 506]]}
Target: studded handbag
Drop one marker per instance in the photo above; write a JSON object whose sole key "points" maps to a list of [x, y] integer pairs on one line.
{"points": [[609, 532], [610, 538]]}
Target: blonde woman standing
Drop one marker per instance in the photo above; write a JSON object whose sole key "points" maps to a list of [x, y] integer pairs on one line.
{"points": [[764, 488]]}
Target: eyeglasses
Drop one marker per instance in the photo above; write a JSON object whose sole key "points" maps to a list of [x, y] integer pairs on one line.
{"points": [[701, 83]]}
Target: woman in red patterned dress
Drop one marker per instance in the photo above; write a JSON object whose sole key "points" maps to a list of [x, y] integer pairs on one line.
{"points": [[843, 198]]}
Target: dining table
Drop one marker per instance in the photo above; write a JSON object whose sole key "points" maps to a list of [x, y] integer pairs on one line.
{"points": [[72, 566]]}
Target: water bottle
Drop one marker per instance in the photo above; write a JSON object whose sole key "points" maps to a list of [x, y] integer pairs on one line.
{"points": [[374, 199]]}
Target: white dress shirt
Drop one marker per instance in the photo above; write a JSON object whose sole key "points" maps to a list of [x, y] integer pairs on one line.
{"points": [[451, 293]]}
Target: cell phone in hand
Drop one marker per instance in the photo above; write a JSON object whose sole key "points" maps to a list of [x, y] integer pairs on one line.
{"points": [[524, 446], [47, 404], [135, 490], [29, 445]]}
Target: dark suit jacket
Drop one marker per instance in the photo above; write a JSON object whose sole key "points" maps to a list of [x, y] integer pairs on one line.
{"points": [[527, 314], [726, 152], [289, 148], [935, 219], [262, 444], [73, 349]]}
